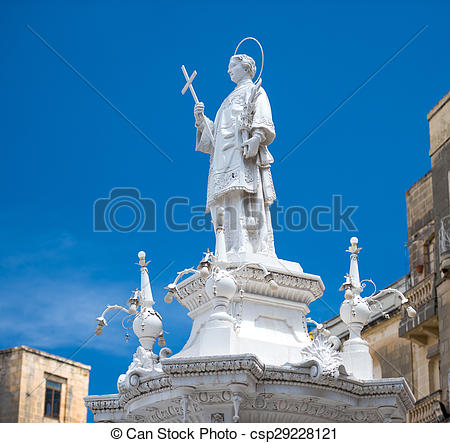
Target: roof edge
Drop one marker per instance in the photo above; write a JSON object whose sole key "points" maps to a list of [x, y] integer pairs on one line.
{"points": [[25, 348]]}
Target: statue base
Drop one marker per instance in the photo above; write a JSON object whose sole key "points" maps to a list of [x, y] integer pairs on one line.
{"points": [[269, 323], [268, 261]]}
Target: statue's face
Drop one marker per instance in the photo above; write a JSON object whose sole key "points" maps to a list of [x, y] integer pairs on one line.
{"points": [[237, 71]]}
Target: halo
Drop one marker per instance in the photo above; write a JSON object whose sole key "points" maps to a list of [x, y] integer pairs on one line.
{"points": [[262, 54]]}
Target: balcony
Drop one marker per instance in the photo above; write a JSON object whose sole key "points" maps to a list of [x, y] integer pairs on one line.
{"points": [[423, 298], [422, 292], [427, 410]]}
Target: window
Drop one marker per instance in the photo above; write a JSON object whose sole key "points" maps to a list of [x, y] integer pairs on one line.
{"points": [[52, 399]]}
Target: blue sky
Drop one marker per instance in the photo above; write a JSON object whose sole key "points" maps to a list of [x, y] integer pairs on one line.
{"points": [[64, 147]]}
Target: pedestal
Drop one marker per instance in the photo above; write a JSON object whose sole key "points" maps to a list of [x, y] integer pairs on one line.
{"points": [[357, 359], [269, 323]]}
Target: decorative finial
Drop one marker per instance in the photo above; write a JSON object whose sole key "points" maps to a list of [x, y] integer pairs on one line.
{"points": [[147, 324], [142, 262], [352, 284], [353, 249]]}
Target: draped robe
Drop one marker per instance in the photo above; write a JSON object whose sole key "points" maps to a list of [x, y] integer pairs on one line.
{"points": [[234, 182]]}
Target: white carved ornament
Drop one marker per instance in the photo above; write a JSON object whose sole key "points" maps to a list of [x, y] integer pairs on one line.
{"points": [[323, 351]]}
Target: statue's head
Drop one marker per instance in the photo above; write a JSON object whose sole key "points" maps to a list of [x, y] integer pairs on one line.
{"points": [[241, 66]]}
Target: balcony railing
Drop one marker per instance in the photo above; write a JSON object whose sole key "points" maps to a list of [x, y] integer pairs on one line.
{"points": [[427, 410], [422, 292]]}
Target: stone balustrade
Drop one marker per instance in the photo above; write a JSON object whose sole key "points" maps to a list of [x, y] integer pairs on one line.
{"points": [[427, 410], [422, 292]]}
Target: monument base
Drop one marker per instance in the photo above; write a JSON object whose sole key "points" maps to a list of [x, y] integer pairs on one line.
{"points": [[269, 317], [241, 388]]}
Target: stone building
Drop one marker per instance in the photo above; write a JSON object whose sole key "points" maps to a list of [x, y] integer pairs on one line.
{"points": [[418, 348], [37, 387]]}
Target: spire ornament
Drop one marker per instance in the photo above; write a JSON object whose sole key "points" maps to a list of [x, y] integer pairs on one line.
{"points": [[147, 324], [355, 312]]}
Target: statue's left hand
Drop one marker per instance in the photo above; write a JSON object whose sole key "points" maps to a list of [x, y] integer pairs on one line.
{"points": [[251, 147]]}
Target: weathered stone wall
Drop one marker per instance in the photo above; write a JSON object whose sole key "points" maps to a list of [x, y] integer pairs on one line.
{"points": [[439, 122], [391, 353], [10, 374], [29, 369], [419, 207], [443, 296]]}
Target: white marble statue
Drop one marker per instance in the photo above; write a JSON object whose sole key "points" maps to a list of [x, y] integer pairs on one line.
{"points": [[239, 179]]}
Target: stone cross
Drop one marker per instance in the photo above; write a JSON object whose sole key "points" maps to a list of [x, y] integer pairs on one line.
{"points": [[189, 85]]}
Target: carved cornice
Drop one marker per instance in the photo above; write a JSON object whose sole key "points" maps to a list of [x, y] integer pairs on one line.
{"points": [[190, 291], [181, 367], [382, 387], [289, 285], [147, 386], [117, 401], [103, 403], [299, 289]]}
